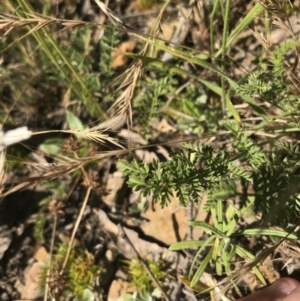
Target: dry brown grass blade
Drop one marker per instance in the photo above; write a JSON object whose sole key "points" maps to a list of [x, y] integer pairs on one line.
{"points": [[52, 173], [11, 22], [2, 171], [121, 109], [122, 106], [261, 39], [278, 15], [92, 134], [89, 183], [64, 165], [76, 226]]}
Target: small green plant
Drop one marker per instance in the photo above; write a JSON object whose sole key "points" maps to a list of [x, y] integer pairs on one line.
{"points": [[190, 172], [76, 279], [196, 169], [148, 103], [223, 242], [273, 85], [139, 277]]}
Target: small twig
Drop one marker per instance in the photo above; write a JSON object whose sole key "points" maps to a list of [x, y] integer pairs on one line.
{"points": [[51, 255], [76, 228], [87, 195], [142, 261]]}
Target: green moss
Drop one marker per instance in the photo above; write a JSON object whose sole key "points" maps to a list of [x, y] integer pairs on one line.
{"points": [[139, 276], [77, 277]]}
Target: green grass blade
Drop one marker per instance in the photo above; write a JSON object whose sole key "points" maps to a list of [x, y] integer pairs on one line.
{"points": [[223, 49], [208, 227], [230, 227], [216, 249], [195, 60], [246, 98], [187, 244], [226, 264], [211, 24], [232, 109], [172, 68], [256, 10], [268, 232], [206, 243], [219, 268], [220, 215], [231, 252], [247, 255], [201, 268]]}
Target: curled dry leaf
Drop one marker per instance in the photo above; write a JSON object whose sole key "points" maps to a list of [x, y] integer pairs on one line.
{"points": [[120, 58]]}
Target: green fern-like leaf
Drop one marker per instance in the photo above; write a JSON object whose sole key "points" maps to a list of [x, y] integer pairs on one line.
{"points": [[278, 56], [188, 173], [148, 103], [276, 186]]}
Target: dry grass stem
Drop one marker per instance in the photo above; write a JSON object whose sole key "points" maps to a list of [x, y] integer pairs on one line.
{"points": [[2, 171], [76, 228]]}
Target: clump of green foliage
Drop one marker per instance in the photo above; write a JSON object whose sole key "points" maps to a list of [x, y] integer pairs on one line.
{"points": [[270, 166], [152, 97], [77, 277], [196, 169], [190, 172], [71, 58], [139, 277]]}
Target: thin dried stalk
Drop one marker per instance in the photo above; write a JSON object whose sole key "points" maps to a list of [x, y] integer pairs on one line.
{"points": [[2, 171], [76, 228]]}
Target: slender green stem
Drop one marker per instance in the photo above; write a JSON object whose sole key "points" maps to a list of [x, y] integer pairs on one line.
{"points": [[211, 27], [267, 33], [224, 42]]}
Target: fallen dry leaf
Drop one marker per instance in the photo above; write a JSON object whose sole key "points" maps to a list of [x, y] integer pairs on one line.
{"points": [[31, 290], [41, 254], [120, 58], [168, 29], [164, 126], [117, 289]]}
